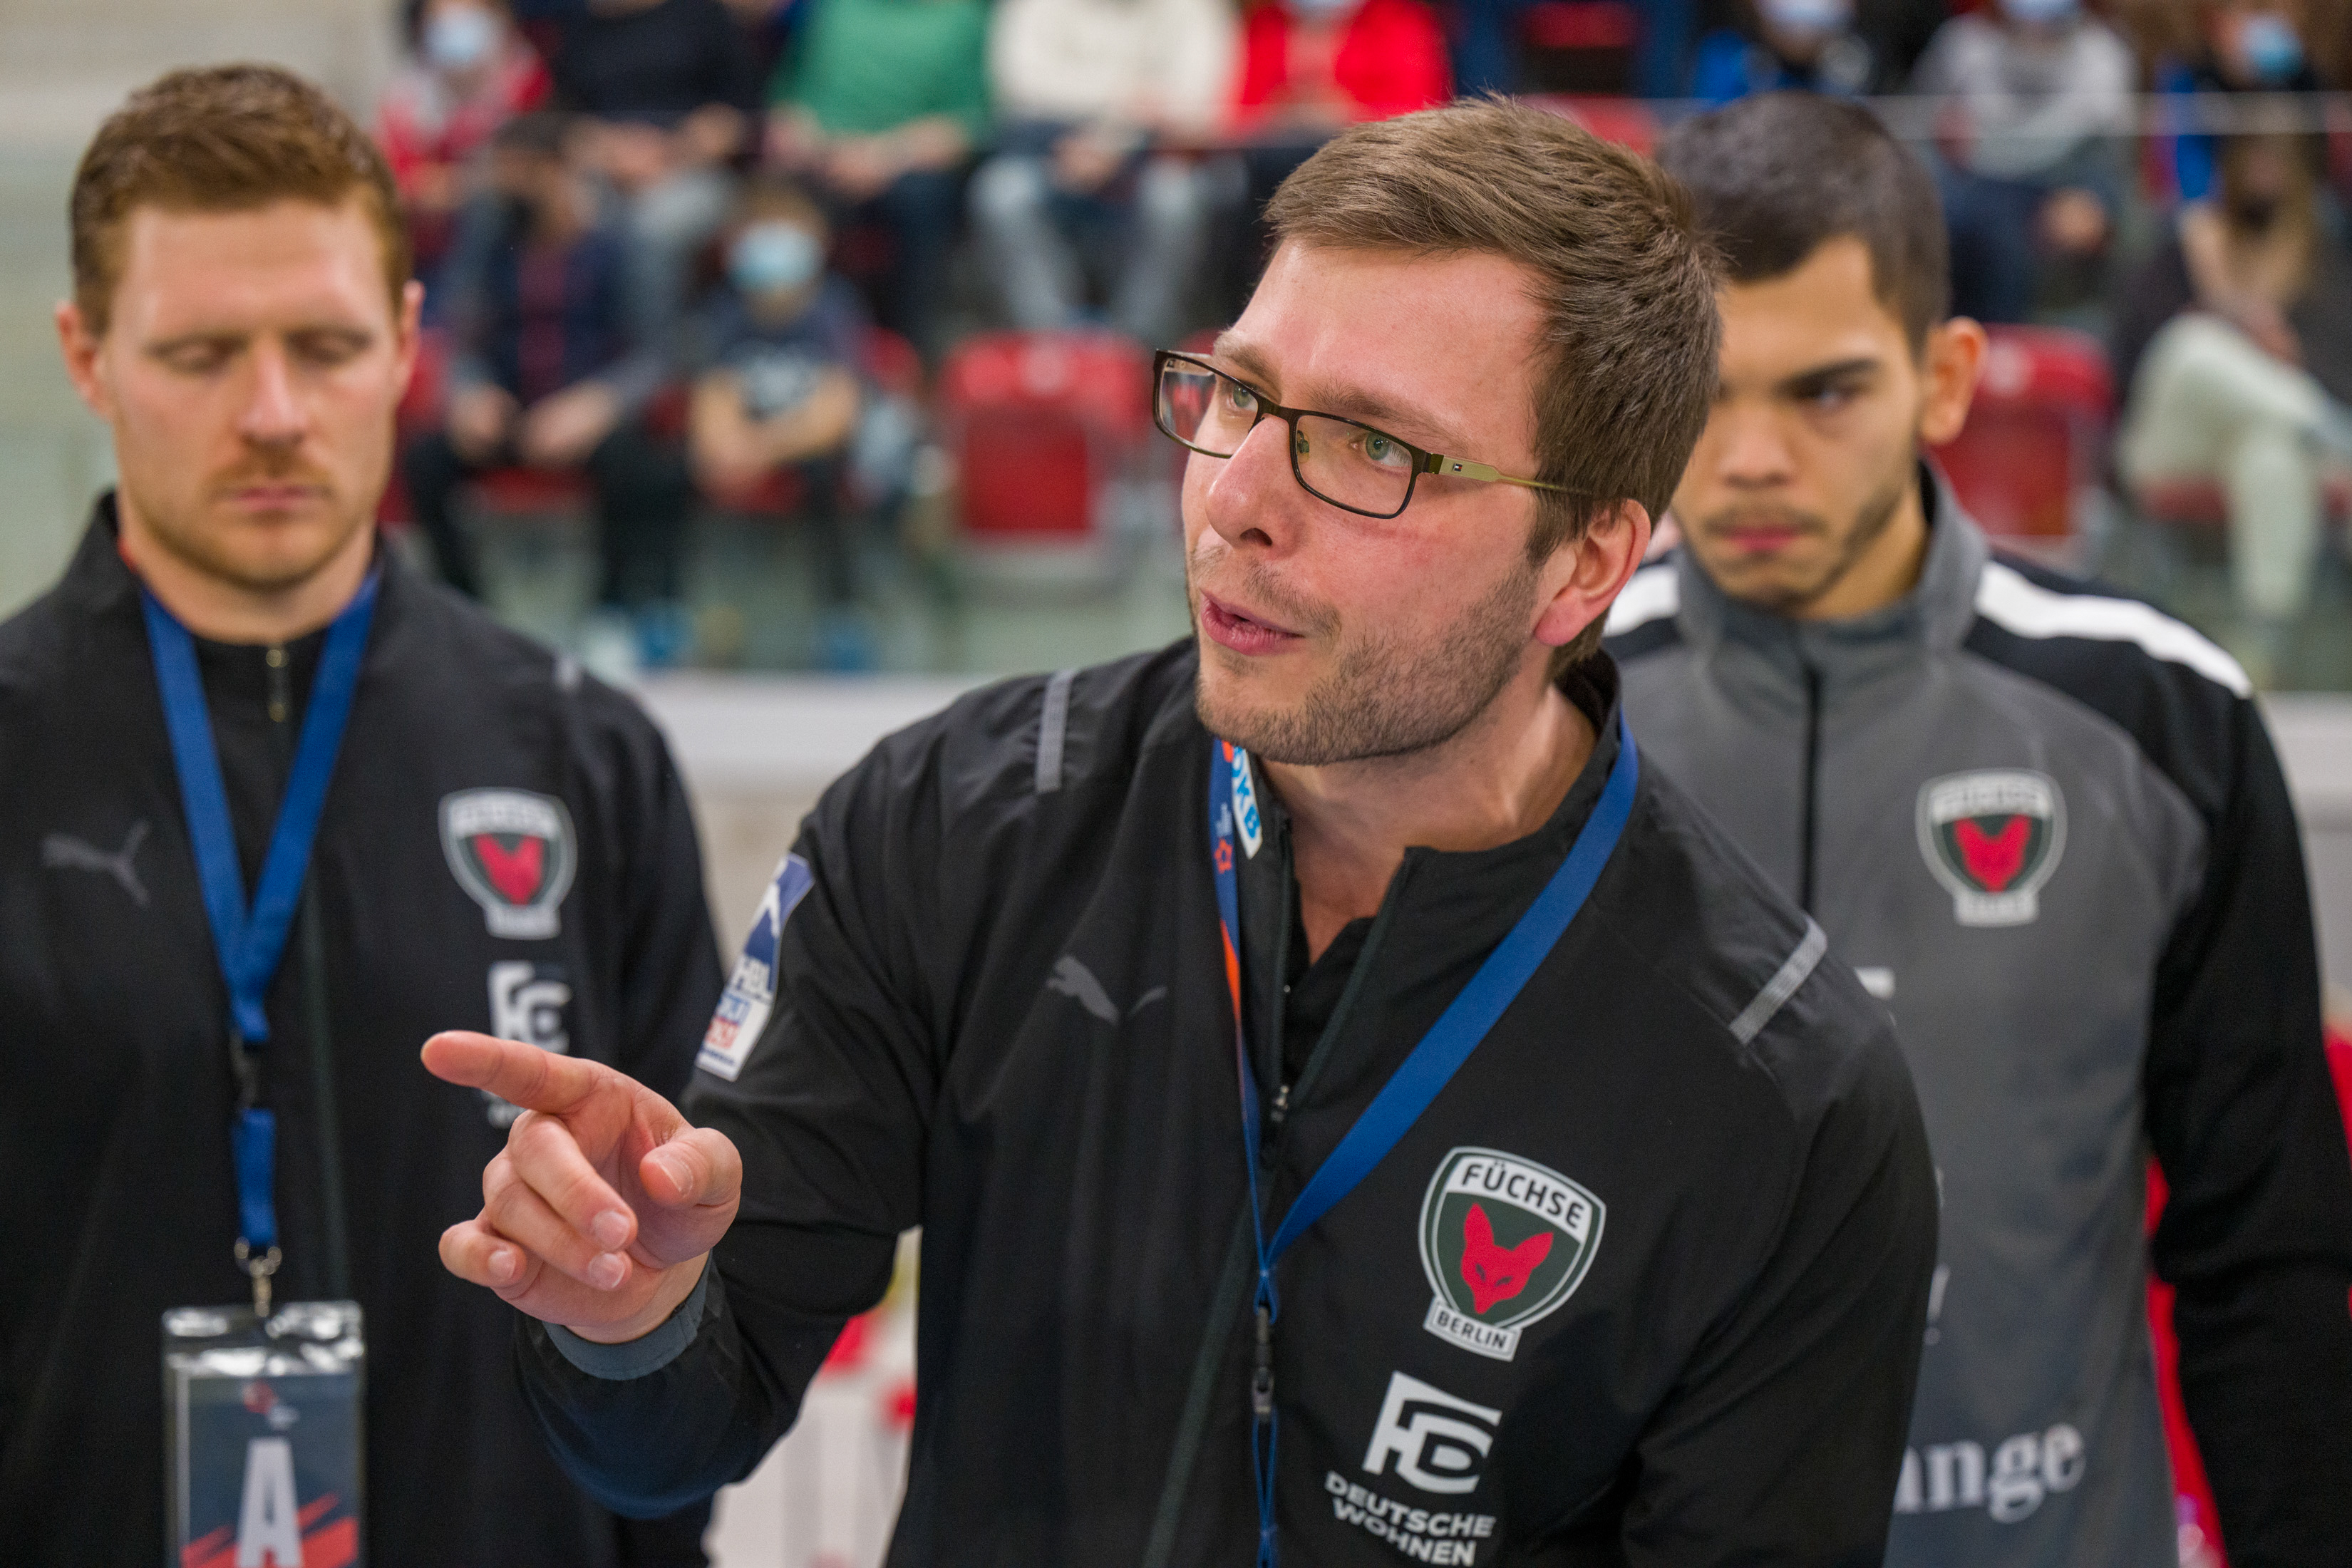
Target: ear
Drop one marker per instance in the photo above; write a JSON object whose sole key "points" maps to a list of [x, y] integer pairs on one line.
{"points": [[1584, 577], [79, 346], [1955, 356]]}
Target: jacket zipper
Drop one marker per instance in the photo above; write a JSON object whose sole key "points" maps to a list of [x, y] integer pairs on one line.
{"points": [[335, 1245]]}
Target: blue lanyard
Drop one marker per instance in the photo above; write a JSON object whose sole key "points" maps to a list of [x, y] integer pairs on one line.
{"points": [[249, 944], [1442, 1051]]}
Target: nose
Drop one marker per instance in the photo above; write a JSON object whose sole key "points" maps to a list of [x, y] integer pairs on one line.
{"points": [[1751, 449], [1252, 498], [273, 412]]}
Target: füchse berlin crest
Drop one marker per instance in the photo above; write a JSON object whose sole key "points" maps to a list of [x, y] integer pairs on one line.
{"points": [[1993, 838], [1504, 1241], [511, 851]]}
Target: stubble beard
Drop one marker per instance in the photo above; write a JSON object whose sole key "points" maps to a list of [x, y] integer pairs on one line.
{"points": [[1870, 523], [1383, 698], [214, 549]]}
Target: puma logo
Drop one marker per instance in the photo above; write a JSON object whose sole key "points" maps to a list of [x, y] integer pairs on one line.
{"points": [[1497, 1273], [63, 851], [1076, 981]]}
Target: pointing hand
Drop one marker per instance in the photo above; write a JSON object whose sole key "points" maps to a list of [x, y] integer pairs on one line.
{"points": [[601, 1212]]}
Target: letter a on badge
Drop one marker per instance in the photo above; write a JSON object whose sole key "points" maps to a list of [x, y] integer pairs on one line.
{"points": [[269, 1523]]}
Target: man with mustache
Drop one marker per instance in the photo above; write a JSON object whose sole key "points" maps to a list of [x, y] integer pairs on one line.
{"points": [[1355, 1109], [2048, 827], [494, 836]]}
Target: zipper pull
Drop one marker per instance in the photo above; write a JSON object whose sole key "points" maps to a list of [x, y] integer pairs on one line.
{"points": [[1281, 1107], [1262, 1374], [280, 687]]}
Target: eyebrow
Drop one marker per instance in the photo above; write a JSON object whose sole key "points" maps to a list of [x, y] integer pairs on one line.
{"points": [[1349, 403]]}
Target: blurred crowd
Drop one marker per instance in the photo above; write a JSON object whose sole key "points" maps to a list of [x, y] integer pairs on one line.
{"points": [[682, 248]]}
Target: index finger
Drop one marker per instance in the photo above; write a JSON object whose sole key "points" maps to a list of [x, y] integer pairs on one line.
{"points": [[521, 1074]]}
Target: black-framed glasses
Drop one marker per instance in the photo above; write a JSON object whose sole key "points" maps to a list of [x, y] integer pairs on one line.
{"points": [[1350, 464]]}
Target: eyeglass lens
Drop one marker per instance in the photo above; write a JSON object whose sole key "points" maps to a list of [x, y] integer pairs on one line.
{"points": [[1350, 464]]}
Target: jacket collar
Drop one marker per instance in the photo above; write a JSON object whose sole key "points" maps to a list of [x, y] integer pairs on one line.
{"points": [[1933, 618]]}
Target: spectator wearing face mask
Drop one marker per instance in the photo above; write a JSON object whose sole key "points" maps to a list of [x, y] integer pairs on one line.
{"points": [[1096, 101], [877, 108], [2235, 340], [1811, 45], [472, 72], [2035, 148], [776, 386], [550, 369], [2244, 46]]}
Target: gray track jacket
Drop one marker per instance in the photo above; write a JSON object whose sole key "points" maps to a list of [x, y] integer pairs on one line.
{"points": [[2047, 826]]}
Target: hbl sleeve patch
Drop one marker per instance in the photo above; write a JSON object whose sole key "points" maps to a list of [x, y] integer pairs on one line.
{"points": [[750, 994]]}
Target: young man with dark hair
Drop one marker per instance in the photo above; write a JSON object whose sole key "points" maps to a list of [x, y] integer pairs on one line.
{"points": [[493, 835], [1120, 981], [2049, 826]]}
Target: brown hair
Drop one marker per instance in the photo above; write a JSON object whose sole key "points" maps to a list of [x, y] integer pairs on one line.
{"points": [[1626, 356], [1779, 176], [222, 139]]}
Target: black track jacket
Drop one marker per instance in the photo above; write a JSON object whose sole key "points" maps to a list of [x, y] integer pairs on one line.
{"points": [[115, 1086], [1687, 1170]]}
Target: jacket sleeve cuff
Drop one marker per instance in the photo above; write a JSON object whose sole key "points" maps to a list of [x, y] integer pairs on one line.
{"points": [[646, 1355]]}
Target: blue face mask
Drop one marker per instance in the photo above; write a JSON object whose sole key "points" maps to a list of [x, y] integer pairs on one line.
{"points": [[460, 37], [2272, 51], [2041, 13], [773, 258]]}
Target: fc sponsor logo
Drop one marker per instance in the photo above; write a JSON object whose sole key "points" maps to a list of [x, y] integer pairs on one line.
{"points": [[512, 852], [527, 1002], [1993, 838], [1504, 1242], [1436, 1440], [2009, 1484]]}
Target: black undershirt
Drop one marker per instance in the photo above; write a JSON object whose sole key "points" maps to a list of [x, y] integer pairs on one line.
{"points": [[1312, 992]]}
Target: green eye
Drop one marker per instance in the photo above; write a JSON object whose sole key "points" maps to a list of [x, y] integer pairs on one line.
{"points": [[1384, 450]]}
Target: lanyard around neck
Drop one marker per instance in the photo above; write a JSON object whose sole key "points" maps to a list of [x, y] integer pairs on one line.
{"points": [[249, 941], [1466, 1022]]}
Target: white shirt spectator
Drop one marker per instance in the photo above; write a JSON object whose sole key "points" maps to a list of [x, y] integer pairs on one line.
{"points": [[2032, 97], [1166, 63]]}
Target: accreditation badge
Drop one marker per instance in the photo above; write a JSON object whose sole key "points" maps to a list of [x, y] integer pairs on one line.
{"points": [[261, 1433]]}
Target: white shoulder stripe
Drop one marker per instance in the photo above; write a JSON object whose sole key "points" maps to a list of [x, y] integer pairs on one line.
{"points": [[1783, 985], [1653, 595], [2012, 602]]}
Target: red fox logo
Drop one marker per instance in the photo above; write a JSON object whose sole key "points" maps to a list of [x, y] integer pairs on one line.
{"points": [[1497, 1273], [1993, 858], [516, 872]]}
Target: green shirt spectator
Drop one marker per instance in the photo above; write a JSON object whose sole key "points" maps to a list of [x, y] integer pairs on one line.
{"points": [[864, 66]]}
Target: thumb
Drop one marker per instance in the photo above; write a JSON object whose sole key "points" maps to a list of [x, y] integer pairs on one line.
{"points": [[700, 1165]]}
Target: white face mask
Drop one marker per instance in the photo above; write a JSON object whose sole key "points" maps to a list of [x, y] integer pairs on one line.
{"points": [[2041, 13], [1807, 18], [460, 37]]}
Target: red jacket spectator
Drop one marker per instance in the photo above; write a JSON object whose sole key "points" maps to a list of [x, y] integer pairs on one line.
{"points": [[433, 120], [1385, 57]]}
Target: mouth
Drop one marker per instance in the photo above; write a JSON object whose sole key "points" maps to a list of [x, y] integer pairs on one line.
{"points": [[273, 495], [1240, 632], [1759, 536]]}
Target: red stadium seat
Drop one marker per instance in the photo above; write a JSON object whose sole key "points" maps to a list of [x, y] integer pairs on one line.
{"points": [[2200, 503], [2031, 449], [1038, 424]]}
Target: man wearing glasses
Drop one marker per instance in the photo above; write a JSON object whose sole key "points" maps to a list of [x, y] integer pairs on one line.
{"points": [[1356, 1111]]}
